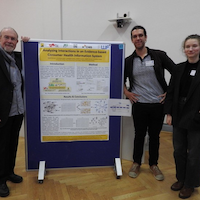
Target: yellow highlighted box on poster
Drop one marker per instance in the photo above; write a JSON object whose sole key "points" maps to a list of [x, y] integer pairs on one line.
{"points": [[74, 138], [74, 55]]}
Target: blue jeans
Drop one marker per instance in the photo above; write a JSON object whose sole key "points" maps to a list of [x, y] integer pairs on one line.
{"points": [[187, 156], [147, 117]]}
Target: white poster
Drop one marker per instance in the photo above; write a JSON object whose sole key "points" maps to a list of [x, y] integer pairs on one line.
{"points": [[74, 91]]}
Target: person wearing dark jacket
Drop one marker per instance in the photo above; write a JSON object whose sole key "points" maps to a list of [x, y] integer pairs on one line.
{"points": [[11, 106], [182, 107], [145, 71]]}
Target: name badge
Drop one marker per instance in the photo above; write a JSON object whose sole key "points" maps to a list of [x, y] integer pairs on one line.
{"points": [[149, 63], [193, 72]]}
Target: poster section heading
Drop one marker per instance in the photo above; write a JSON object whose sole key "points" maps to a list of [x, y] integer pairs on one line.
{"points": [[74, 53]]}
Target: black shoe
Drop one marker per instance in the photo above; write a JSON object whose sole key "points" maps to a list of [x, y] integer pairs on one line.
{"points": [[15, 178], [4, 191], [186, 192], [177, 186]]}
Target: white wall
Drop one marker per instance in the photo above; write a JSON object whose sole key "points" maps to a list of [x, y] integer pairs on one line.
{"points": [[36, 19], [167, 22]]}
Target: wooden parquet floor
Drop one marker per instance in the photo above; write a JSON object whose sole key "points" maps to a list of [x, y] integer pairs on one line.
{"points": [[98, 183]]}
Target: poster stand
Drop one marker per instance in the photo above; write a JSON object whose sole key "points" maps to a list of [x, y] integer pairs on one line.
{"points": [[42, 170], [87, 153]]}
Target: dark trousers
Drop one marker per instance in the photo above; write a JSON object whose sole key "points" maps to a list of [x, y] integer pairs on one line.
{"points": [[149, 118], [187, 156], [9, 135]]}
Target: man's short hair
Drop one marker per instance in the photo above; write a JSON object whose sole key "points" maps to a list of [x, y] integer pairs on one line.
{"points": [[139, 27], [10, 29]]}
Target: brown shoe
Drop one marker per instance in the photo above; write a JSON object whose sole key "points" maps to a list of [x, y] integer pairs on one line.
{"points": [[186, 192], [157, 173], [177, 186], [134, 170]]}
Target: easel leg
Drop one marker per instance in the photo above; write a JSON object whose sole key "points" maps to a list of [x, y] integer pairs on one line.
{"points": [[118, 168], [41, 172]]}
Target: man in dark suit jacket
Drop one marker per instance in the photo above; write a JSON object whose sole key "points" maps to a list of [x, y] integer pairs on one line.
{"points": [[11, 107]]}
